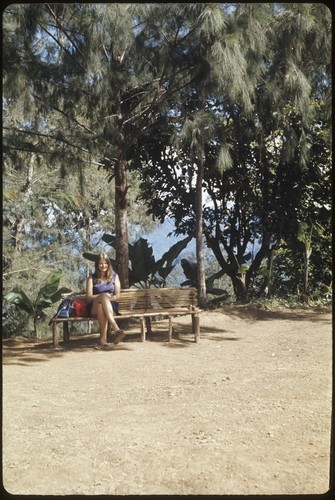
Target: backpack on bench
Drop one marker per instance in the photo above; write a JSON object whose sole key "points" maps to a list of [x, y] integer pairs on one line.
{"points": [[66, 309]]}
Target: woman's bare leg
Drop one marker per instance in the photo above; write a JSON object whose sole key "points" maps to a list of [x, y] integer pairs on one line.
{"points": [[107, 307], [103, 324]]}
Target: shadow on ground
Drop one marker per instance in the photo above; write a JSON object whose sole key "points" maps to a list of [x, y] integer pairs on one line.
{"points": [[24, 351], [260, 312]]}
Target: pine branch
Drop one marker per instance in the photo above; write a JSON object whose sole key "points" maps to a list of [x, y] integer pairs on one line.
{"points": [[56, 18], [54, 38], [71, 118], [57, 139]]}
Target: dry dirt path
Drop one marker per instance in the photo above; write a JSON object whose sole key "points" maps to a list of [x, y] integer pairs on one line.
{"points": [[247, 410]]}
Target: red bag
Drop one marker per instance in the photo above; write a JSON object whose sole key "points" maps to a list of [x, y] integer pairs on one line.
{"points": [[80, 307]]}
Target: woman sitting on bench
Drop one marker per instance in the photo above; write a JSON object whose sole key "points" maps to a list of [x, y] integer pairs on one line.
{"points": [[102, 292]]}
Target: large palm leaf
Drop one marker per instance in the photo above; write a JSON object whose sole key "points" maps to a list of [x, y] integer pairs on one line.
{"points": [[143, 266]]}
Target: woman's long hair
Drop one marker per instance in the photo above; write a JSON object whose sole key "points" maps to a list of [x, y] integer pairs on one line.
{"points": [[97, 275]]}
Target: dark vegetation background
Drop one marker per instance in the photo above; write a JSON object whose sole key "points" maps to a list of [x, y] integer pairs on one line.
{"points": [[118, 117]]}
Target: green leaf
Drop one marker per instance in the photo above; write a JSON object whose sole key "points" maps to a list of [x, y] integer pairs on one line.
{"points": [[55, 297], [142, 260], [187, 283], [110, 239], [217, 291], [19, 298], [211, 279], [47, 290], [90, 256], [190, 271], [165, 264]]}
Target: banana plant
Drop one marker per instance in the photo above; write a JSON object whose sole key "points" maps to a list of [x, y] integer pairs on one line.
{"points": [[144, 270], [47, 295], [190, 271]]}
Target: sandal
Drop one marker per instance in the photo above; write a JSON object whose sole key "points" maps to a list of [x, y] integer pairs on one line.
{"points": [[119, 336], [101, 347]]}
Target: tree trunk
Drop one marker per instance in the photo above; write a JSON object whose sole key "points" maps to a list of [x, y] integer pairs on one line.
{"points": [[305, 294], [307, 255], [267, 287], [199, 236], [36, 327], [306, 272], [239, 288], [121, 222]]}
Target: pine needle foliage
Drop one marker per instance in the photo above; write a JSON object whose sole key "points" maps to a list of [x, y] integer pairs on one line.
{"points": [[93, 88]]}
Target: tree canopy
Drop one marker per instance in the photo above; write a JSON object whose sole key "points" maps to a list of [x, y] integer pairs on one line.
{"points": [[215, 115]]}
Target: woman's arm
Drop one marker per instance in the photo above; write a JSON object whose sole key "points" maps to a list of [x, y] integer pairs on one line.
{"points": [[89, 288], [117, 289]]}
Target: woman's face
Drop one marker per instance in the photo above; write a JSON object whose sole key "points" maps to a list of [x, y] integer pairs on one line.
{"points": [[103, 266]]}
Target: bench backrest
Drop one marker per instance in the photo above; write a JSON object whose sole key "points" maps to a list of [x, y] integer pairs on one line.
{"points": [[165, 299], [132, 301]]}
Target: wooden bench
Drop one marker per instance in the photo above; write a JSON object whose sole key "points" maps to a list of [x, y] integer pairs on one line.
{"points": [[144, 304]]}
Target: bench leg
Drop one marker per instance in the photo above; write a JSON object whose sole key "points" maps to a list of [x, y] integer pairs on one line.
{"points": [[170, 328], [196, 326], [66, 334], [142, 329], [148, 325], [55, 336]]}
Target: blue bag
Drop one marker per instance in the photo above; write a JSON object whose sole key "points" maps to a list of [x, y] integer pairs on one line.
{"points": [[66, 309]]}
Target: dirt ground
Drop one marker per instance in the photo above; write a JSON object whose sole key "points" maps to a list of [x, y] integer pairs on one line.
{"points": [[246, 410]]}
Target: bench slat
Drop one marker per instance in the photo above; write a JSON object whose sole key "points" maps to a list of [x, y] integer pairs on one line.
{"points": [[130, 314], [129, 311]]}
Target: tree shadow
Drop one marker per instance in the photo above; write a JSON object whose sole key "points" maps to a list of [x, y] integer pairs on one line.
{"points": [[26, 351], [177, 344], [223, 338], [260, 312], [22, 351]]}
